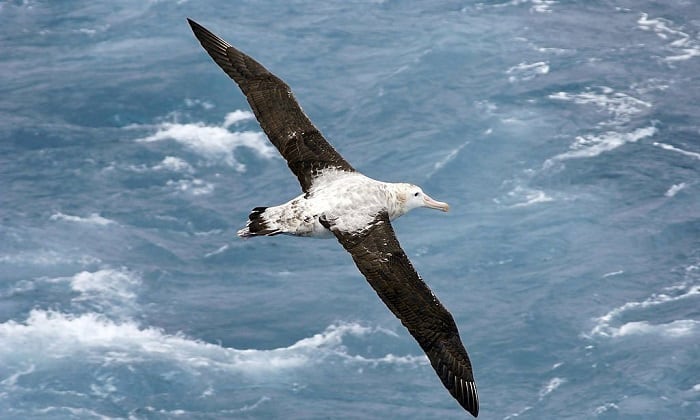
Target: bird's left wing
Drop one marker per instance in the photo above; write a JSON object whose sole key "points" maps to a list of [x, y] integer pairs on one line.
{"points": [[289, 129], [378, 255]]}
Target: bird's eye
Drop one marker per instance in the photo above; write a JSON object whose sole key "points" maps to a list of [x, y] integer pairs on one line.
{"points": [[416, 194]]}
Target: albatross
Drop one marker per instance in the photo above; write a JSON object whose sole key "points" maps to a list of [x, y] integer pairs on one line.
{"points": [[337, 201]]}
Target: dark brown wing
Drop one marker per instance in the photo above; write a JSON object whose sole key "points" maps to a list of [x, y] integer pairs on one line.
{"points": [[278, 113], [378, 255]]}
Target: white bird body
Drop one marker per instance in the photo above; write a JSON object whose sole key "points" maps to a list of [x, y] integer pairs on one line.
{"points": [[350, 199]]}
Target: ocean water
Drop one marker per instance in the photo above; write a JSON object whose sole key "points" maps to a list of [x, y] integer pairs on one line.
{"points": [[565, 136]]}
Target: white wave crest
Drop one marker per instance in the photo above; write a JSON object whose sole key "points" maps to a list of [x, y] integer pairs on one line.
{"points": [[521, 196], [109, 291], [169, 163], [51, 335], [620, 106], [542, 6], [593, 145], [105, 285], [192, 186], [683, 46], [605, 408], [677, 150], [218, 251], [46, 257], [529, 196], [608, 326], [92, 219], [613, 273], [678, 328], [551, 386], [537, 6], [237, 116], [527, 71], [674, 189], [191, 103], [447, 159], [215, 142], [175, 164]]}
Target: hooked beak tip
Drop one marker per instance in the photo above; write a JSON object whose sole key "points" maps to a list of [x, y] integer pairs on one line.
{"points": [[438, 205]]}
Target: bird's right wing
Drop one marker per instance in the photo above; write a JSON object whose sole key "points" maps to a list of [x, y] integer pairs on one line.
{"points": [[378, 255], [301, 144]]}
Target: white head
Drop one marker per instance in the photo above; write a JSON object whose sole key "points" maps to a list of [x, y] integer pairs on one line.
{"points": [[414, 197]]}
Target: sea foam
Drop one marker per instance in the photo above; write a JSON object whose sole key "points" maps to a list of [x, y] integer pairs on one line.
{"points": [[527, 71], [678, 328], [175, 164], [192, 186], [111, 291], [215, 143], [609, 325], [668, 147], [92, 219], [619, 105], [593, 145], [683, 46], [551, 386], [537, 6], [54, 335], [674, 189], [47, 336]]}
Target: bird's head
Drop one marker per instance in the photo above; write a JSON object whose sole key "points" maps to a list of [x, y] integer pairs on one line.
{"points": [[414, 197]]}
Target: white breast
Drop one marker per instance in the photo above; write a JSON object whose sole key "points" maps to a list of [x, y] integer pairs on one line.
{"points": [[350, 199]]}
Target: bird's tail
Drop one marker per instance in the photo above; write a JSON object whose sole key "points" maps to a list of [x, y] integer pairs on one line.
{"points": [[259, 224]]}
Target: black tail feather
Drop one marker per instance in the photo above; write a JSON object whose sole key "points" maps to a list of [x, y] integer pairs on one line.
{"points": [[256, 213], [257, 225]]}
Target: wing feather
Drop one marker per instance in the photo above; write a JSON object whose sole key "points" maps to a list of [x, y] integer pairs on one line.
{"points": [[378, 255], [289, 129]]}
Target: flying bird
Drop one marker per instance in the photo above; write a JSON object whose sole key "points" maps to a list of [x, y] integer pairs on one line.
{"points": [[338, 201]]}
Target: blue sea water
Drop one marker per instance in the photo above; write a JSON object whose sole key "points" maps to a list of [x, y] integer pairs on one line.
{"points": [[565, 136]]}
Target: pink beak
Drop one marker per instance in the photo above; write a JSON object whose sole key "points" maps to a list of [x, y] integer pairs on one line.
{"points": [[433, 204]]}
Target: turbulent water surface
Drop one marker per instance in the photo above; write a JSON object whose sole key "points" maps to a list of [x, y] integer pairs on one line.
{"points": [[564, 135]]}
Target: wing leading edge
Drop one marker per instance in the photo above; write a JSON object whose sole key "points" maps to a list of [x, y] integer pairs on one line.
{"points": [[289, 129]]}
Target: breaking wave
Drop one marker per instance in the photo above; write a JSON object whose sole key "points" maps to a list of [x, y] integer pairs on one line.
{"points": [[43, 257], [593, 145], [527, 71], [674, 189], [92, 219], [620, 106], [683, 46], [99, 328], [668, 147], [614, 323], [215, 143], [551, 386], [536, 6], [100, 339], [193, 186], [521, 196]]}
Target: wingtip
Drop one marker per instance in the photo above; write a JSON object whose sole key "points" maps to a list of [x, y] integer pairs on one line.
{"points": [[471, 403], [196, 27]]}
